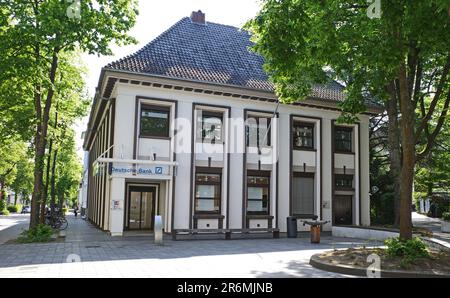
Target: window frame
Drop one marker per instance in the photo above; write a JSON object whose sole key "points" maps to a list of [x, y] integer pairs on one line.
{"points": [[165, 109], [346, 177], [303, 124], [304, 175], [269, 129], [199, 129], [260, 174], [336, 140], [208, 171]]}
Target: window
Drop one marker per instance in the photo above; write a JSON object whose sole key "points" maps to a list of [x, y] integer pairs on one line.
{"points": [[207, 193], [258, 194], [343, 182], [303, 135], [257, 131], [343, 139], [155, 121], [303, 195], [209, 127]]}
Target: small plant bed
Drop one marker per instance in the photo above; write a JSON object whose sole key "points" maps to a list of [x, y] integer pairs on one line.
{"points": [[398, 259], [40, 234]]}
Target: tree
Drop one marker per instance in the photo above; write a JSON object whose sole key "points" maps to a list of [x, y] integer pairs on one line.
{"points": [[12, 152], [23, 182], [402, 58], [34, 34]]}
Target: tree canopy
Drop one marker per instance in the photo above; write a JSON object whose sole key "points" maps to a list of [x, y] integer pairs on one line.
{"points": [[401, 59]]}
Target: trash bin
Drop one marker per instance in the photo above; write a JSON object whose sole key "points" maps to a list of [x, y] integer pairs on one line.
{"points": [[292, 227], [315, 233]]}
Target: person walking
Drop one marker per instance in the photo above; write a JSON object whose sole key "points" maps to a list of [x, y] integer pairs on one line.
{"points": [[75, 210]]}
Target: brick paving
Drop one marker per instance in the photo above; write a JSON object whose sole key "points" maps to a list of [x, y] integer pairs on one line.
{"points": [[103, 256]]}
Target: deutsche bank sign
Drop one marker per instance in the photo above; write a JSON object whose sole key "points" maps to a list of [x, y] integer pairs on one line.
{"points": [[139, 171]]}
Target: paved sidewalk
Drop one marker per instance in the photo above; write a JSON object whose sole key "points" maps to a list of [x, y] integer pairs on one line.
{"points": [[11, 226], [103, 256], [434, 224]]}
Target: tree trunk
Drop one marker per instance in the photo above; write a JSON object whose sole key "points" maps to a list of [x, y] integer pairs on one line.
{"points": [[47, 181], [2, 191], [38, 183], [394, 148], [52, 191], [409, 155], [15, 198], [40, 143]]}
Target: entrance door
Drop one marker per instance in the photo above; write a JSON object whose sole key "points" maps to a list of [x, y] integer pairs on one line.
{"points": [[141, 208], [342, 210]]}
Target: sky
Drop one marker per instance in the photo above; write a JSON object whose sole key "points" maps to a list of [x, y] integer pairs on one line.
{"points": [[155, 16]]}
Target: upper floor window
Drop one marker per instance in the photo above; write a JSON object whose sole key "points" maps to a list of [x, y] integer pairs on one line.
{"points": [[209, 127], [257, 131], [343, 139], [155, 121], [303, 134]]}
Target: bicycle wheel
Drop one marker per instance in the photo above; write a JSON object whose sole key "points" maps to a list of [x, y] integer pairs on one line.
{"points": [[63, 224]]}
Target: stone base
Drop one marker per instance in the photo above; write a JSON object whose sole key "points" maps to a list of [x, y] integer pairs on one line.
{"points": [[445, 226]]}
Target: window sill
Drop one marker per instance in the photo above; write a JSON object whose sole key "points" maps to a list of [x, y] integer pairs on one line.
{"points": [[154, 137], [259, 216], [343, 189], [304, 149], [208, 216], [345, 152]]}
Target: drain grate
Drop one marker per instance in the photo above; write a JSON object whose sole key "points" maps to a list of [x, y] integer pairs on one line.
{"points": [[93, 246]]}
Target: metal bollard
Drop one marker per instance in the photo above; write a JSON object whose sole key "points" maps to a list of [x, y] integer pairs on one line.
{"points": [[158, 230]]}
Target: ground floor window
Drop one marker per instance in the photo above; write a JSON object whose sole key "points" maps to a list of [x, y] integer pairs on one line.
{"points": [[303, 194], [258, 193], [343, 182], [208, 191]]}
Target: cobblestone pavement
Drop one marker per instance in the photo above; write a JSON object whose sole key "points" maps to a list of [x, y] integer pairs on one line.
{"points": [[103, 256]]}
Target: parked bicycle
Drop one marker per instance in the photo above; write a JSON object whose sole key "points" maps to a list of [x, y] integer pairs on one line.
{"points": [[57, 221]]}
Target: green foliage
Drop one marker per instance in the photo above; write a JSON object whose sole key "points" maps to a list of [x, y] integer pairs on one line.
{"points": [[305, 42], [41, 233], [40, 42], [4, 212], [2, 205], [409, 250], [14, 208], [446, 216], [440, 204]]}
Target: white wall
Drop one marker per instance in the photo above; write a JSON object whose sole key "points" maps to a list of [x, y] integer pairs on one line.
{"points": [[124, 134]]}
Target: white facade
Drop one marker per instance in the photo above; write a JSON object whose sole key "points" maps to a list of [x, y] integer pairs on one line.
{"points": [[165, 168]]}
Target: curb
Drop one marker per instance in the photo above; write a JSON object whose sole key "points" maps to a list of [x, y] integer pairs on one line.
{"points": [[316, 262]]}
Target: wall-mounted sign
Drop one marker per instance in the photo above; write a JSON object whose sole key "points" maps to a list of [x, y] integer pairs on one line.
{"points": [[140, 171], [116, 205]]}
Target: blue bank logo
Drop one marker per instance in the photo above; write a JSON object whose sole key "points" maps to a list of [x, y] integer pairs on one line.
{"points": [[158, 170]]}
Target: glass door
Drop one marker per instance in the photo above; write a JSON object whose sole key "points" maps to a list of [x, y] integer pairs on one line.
{"points": [[141, 208]]}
